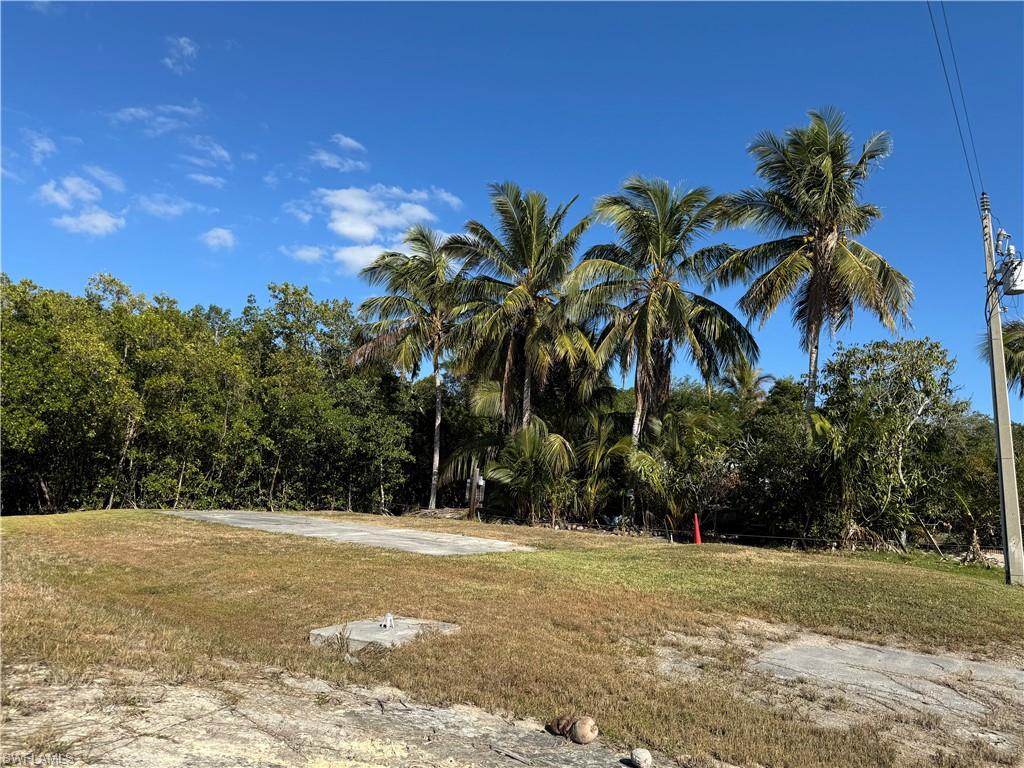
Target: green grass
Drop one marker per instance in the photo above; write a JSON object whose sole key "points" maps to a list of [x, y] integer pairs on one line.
{"points": [[543, 632]]}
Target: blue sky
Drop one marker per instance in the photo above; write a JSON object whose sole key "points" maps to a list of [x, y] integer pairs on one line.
{"points": [[203, 150]]}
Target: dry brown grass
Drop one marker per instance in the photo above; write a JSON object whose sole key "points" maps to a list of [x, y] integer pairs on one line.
{"points": [[542, 632]]}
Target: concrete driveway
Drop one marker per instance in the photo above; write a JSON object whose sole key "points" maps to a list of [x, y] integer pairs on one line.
{"points": [[404, 539]]}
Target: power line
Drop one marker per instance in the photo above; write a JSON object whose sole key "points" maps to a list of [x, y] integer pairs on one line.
{"points": [[963, 98], [952, 101]]}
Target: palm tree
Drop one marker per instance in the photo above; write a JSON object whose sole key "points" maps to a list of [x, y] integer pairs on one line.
{"points": [[529, 465], [747, 382], [420, 316], [639, 284], [810, 207], [521, 329], [1013, 351]]}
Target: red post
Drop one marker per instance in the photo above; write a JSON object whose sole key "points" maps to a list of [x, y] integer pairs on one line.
{"points": [[696, 529]]}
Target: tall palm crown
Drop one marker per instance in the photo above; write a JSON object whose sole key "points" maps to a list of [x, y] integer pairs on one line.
{"points": [[639, 286], [810, 206], [521, 328], [420, 316], [747, 381]]}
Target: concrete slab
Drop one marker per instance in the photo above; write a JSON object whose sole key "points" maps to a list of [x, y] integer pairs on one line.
{"points": [[359, 634], [404, 539], [895, 678]]}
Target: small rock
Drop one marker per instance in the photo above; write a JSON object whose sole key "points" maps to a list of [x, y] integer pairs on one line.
{"points": [[583, 730], [641, 758]]}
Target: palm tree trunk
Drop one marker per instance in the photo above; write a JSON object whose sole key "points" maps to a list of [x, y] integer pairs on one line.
{"points": [[527, 408], [638, 411], [506, 386], [813, 343], [437, 435]]}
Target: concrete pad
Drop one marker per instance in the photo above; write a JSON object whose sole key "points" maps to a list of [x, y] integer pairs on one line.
{"points": [[404, 539], [895, 678], [359, 634]]}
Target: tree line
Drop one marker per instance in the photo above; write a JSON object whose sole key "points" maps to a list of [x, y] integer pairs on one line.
{"points": [[113, 399]]}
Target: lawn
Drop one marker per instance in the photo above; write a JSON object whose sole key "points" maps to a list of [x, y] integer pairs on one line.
{"points": [[564, 628]]}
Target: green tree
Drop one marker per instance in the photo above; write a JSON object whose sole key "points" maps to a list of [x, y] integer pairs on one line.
{"points": [[520, 329], [881, 402], [420, 316], [811, 209], [67, 400], [640, 285]]}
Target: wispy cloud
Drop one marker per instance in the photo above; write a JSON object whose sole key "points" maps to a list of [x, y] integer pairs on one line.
{"points": [[211, 153], [168, 206], [208, 180], [93, 221], [181, 53], [160, 119], [40, 146], [307, 253], [219, 239], [70, 190], [109, 179], [300, 209], [327, 159], [46, 7], [347, 142]]}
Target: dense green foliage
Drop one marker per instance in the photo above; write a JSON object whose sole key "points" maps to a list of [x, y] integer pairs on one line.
{"points": [[115, 399]]}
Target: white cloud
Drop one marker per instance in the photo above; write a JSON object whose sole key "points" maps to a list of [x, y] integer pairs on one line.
{"points": [[46, 7], [181, 52], [39, 146], [364, 214], [218, 238], [347, 142], [271, 179], [250, 156], [355, 257], [109, 179], [159, 119], [307, 253], [70, 190], [208, 180], [214, 153], [417, 195], [452, 201], [330, 160], [167, 206], [92, 221], [300, 209]]}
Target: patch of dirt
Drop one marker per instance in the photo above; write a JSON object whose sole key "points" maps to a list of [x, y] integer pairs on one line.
{"points": [[267, 718], [928, 701]]}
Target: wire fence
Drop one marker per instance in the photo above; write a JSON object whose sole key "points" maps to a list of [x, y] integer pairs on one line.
{"points": [[686, 534]]}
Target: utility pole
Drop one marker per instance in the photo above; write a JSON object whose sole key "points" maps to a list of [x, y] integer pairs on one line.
{"points": [[1013, 544]]}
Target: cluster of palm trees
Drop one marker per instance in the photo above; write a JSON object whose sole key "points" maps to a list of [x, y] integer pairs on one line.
{"points": [[505, 305]]}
